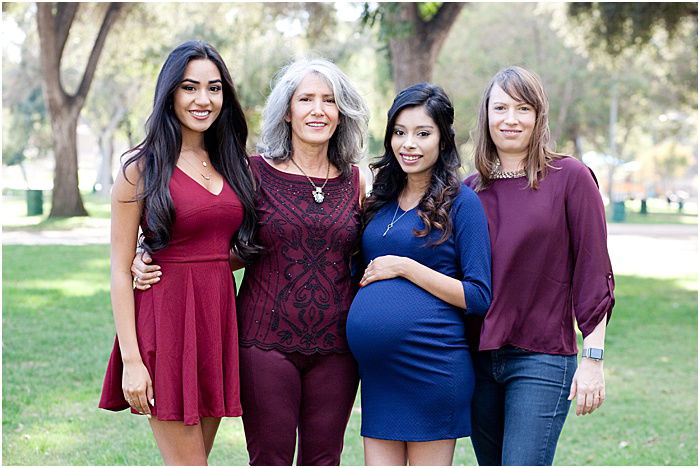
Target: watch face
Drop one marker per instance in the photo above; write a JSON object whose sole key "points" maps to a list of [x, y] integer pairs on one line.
{"points": [[594, 353]]}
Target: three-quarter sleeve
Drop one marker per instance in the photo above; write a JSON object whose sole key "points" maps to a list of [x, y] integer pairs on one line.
{"points": [[592, 277], [473, 248]]}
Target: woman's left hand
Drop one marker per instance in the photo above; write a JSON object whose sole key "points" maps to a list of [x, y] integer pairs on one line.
{"points": [[589, 386], [384, 267]]}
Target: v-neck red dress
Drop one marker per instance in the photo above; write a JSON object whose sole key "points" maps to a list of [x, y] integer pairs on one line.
{"points": [[186, 326]]}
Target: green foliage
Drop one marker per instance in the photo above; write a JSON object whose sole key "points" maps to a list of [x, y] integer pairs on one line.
{"points": [[58, 332], [616, 26], [661, 78], [386, 16], [427, 10], [26, 129]]}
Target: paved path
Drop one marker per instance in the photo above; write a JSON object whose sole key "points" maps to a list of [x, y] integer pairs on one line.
{"points": [[653, 250], [666, 250]]}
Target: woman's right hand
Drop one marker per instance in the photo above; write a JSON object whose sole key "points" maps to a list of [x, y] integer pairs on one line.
{"points": [[137, 387], [144, 274]]}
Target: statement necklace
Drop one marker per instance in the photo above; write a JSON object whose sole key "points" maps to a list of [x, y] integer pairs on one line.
{"points": [[497, 173], [317, 193], [394, 219]]}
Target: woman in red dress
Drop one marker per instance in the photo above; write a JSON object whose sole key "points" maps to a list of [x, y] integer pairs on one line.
{"points": [[298, 378], [189, 187]]}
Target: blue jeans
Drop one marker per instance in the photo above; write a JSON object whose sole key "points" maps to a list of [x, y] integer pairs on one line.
{"points": [[519, 405]]}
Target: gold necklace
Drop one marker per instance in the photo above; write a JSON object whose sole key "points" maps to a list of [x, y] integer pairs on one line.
{"points": [[204, 164], [317, 193], [496, 173]]}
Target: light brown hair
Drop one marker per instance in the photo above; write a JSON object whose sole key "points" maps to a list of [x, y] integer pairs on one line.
{"points": [[522, 85]]}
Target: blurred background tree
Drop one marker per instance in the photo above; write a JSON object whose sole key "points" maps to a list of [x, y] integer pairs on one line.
{"points": [[622, 78], [54, 23]]}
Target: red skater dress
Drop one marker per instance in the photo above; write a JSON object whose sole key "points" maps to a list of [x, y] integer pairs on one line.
{"points": [[186, 323]]}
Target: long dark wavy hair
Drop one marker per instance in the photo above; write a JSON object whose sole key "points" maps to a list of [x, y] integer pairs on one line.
{"points": [[224, 140], [390, 179]]}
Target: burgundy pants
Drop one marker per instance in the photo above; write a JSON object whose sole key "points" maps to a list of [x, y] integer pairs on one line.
{"points": [[285, 392]]}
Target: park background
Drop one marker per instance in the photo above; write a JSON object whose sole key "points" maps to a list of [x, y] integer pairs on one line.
{"points": [[622, 82]]}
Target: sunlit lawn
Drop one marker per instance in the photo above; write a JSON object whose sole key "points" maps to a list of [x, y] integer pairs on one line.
{"points": [[14, 213], [58, 332], [659, 212]]}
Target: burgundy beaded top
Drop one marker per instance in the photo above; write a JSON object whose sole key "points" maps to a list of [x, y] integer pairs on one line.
{"points": [[296, 296]]}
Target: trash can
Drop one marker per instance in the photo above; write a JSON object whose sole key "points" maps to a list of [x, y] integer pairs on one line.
{"points": [[35, 202], [618, 212], [643, 210]]}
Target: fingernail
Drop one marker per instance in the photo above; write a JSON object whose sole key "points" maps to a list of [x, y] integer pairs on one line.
{"points": [[153, 402], [159, 273], [148, 416], [148, 286]]}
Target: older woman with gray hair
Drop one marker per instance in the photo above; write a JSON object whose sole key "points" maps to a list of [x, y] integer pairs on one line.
{"points": [[296, 370]]}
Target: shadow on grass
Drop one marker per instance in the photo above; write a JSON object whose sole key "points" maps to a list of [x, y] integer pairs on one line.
{"points": [[58, 333]]}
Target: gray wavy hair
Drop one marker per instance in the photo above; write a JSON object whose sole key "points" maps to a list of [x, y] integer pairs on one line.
{"points": [[347, 143]]}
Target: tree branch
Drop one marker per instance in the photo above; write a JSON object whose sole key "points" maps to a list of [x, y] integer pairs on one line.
{"points": [[110, 17], [445, 17], [50, 61], [65, 13]]}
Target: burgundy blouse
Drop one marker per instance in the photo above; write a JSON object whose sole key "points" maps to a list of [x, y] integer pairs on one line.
{"points": [[296, 296], [549, 258]]}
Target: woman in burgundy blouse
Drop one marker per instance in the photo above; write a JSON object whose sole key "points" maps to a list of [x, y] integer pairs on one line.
{"points": [[550, 269], [296, 371]]}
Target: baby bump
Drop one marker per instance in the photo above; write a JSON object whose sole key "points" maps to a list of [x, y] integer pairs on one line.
{"points": [[395, 317]]}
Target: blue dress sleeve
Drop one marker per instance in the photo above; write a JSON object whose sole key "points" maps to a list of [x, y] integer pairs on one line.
{"points": [[473, 248]]}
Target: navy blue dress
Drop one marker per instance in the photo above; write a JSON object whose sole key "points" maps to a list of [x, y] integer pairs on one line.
{"points": [[416, 372]]}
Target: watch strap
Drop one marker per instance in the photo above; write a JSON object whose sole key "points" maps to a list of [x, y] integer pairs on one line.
{"points": [[592, 353]]}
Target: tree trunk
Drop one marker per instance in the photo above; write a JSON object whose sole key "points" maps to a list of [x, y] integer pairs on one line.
{"points": [[104, 181], [410, 63], [65, 198], [567, 98], [413, 54], [53, 23], [106, 143]]}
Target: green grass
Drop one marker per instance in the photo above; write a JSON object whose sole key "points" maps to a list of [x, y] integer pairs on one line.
{"points": [[58, 333], [14, 210], [659, 212]]}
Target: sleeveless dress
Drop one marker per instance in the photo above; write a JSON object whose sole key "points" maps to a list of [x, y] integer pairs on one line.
{"points": [[186, 325], [415, 367]]}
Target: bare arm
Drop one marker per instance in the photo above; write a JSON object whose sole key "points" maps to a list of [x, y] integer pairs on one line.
{"points": [[136, 382], [588, 383]]}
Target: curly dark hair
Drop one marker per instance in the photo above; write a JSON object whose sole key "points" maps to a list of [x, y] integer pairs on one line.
{"points": [[390, 179], [225, 142]]}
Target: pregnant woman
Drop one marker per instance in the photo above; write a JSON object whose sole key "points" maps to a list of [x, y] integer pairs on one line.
{"points": [[427, 247]]}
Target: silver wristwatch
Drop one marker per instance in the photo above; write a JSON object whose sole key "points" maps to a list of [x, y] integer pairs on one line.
{"points": [[592, 353]]}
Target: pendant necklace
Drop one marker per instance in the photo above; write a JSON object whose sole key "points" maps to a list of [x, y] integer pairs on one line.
{"points": [[394, 219], [204, 164], [317, 193]]}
